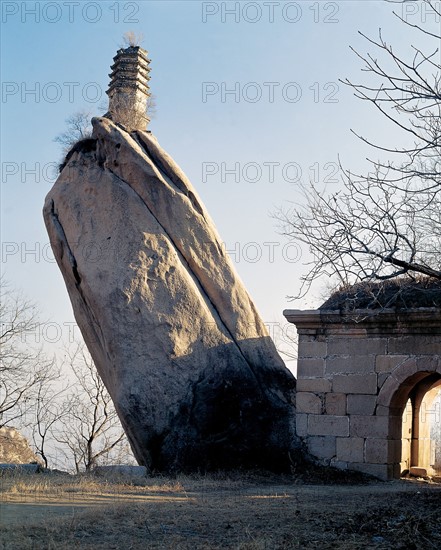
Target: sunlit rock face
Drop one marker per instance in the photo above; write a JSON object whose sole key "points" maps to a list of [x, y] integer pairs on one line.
{"points": [[195, 378], [15, 448]]}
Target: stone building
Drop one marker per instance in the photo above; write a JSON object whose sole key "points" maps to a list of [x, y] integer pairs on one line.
{"points": [[129, 90], [368, 388]]}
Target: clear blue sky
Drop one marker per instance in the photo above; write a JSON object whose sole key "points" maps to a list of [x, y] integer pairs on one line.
{"points": [[288, 113]]}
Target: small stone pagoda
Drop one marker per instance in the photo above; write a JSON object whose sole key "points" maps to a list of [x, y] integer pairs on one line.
{"points": [[129, 90]]}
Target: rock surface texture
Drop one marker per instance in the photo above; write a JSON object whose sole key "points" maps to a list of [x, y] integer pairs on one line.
{"points": [[14, 448], [194, 376]]}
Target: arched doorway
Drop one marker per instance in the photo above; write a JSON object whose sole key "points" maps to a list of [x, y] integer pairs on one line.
{"points": [[435, 433], [411, 397], [421, 428]]}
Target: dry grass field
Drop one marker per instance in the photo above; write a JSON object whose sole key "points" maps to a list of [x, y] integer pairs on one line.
{"points": [[243, 512]]}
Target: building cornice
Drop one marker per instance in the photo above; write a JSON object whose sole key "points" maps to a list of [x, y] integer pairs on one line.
{"points": [[421, 320]]}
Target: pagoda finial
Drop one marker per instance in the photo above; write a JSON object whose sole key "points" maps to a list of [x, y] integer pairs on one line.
{"points": [[129, 90]]}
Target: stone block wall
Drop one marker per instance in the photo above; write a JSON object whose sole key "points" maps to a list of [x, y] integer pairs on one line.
{"points": [[354, 376]]}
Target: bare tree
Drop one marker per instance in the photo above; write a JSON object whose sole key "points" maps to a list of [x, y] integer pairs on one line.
{"points": [[384, 224], [49, 410], [23, 364], [132, 39], [90, 429], [151, 106], [78, 128], [285, 339], [129, 116]]}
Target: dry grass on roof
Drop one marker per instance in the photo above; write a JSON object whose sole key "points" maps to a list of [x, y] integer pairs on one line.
{"points": [[400, 293]]}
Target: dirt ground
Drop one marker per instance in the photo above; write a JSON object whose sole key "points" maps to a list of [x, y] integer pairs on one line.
{"points": [[252, 512]]}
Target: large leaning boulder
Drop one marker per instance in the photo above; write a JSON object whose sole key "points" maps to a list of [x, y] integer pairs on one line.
{"points": [[193, 374]]}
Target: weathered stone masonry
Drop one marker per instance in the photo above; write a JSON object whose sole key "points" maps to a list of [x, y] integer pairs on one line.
{"points": [[355, 374], [129, 89]]}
